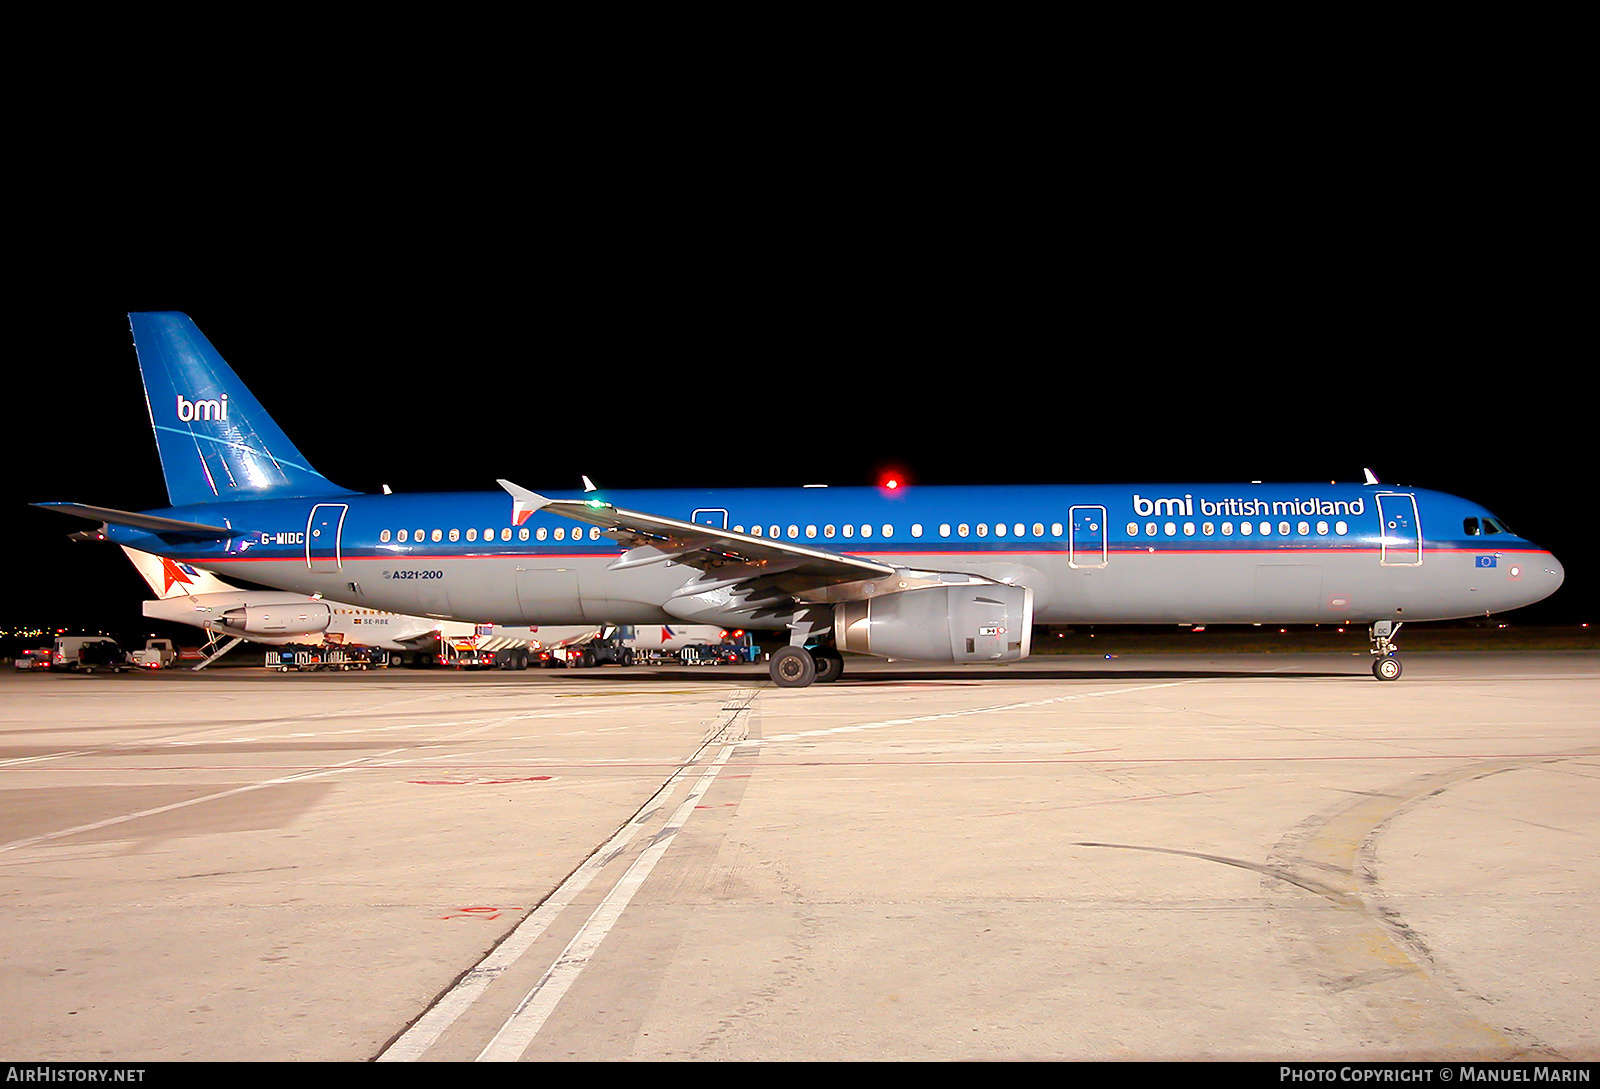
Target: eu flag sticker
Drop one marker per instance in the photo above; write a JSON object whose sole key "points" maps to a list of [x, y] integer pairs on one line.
{"points": [[1485, 561]]}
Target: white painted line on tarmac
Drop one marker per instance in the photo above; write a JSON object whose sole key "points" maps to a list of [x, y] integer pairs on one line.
{"points": [[410, 1045], [885, 723], [125, 817], [523, 1025]]}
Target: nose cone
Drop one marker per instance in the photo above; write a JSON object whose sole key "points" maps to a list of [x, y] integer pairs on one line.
{"points": [[1542, 575]]}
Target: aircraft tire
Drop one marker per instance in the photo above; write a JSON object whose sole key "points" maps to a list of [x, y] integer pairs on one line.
{"points": [[792, 667], [830, 664], [1386, 669]]}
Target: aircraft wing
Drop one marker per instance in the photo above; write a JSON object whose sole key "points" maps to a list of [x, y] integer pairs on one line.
{"points": [[753, 563]]}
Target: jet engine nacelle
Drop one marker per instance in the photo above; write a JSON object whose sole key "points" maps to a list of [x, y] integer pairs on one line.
{"points": [[302, 618], [988, 622]]}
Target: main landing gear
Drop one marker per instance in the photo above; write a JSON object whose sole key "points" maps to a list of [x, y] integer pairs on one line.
{"points": [[1385, 667], [797, 667]]}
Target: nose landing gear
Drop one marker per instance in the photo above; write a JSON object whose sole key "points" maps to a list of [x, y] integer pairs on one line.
{"points": [[1385, 667]]}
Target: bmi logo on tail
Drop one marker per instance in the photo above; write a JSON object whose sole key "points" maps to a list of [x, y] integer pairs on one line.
{"points": [[189, 411]]}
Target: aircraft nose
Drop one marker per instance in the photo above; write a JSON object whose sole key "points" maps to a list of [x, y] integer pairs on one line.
{"points": [[1544, 576]]}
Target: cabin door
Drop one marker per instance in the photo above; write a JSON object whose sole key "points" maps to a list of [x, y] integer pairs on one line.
{"points": [[322, 537], [1402, 537]]}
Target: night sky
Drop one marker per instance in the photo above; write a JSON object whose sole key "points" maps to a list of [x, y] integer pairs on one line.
{"points": [[711, 329]]}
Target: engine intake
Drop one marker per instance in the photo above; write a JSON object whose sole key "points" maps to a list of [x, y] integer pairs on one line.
{"points": [[989, 622]]}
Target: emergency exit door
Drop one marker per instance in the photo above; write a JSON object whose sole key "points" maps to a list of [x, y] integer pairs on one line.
{"points": [[1086, 543]]}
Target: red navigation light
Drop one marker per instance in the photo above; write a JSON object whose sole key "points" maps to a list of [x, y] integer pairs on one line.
{"points": [[891, 481]]}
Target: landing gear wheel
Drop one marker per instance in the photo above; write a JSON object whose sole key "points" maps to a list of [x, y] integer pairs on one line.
{"points": [[792, 667], [830, 664], [1386, 669]]}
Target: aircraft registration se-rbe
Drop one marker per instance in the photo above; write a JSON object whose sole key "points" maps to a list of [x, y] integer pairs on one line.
{"points": [[945, 574]]}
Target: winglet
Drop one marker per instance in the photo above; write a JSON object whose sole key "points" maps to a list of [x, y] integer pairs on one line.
{"points": [[523, 502]]}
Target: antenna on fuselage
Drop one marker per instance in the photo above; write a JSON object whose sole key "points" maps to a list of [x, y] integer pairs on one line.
{"points": [[588, 485], [1372, 477]]}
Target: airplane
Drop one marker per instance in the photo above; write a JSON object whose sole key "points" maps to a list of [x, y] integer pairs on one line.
{"points": [[931, 573], [230, 614], [187, 595]]}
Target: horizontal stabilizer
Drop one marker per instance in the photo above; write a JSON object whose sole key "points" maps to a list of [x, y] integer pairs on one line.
{"points": [[163, 526]]}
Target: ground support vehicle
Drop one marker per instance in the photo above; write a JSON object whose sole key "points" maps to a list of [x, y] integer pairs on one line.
{"points": [[87, 653], [157, 654], [598, 652], [317, 659]]}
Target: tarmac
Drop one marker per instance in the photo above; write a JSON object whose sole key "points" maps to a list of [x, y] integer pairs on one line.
{"points": [[1244, 857]]}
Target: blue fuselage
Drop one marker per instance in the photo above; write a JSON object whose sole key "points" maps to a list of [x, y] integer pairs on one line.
{"points": [[1142, 553]]}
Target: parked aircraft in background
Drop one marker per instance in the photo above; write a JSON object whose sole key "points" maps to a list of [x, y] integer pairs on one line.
{"points": [[188, 595], [953, 574]]}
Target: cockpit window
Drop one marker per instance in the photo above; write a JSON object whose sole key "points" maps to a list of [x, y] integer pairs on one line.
{"points": [[1483, 527]]}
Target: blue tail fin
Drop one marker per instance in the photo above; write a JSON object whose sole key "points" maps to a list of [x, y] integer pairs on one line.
{"points": [[216, 440]]}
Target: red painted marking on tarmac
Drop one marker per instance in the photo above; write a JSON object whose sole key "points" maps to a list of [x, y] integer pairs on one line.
{"points": [[476, 913]]}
